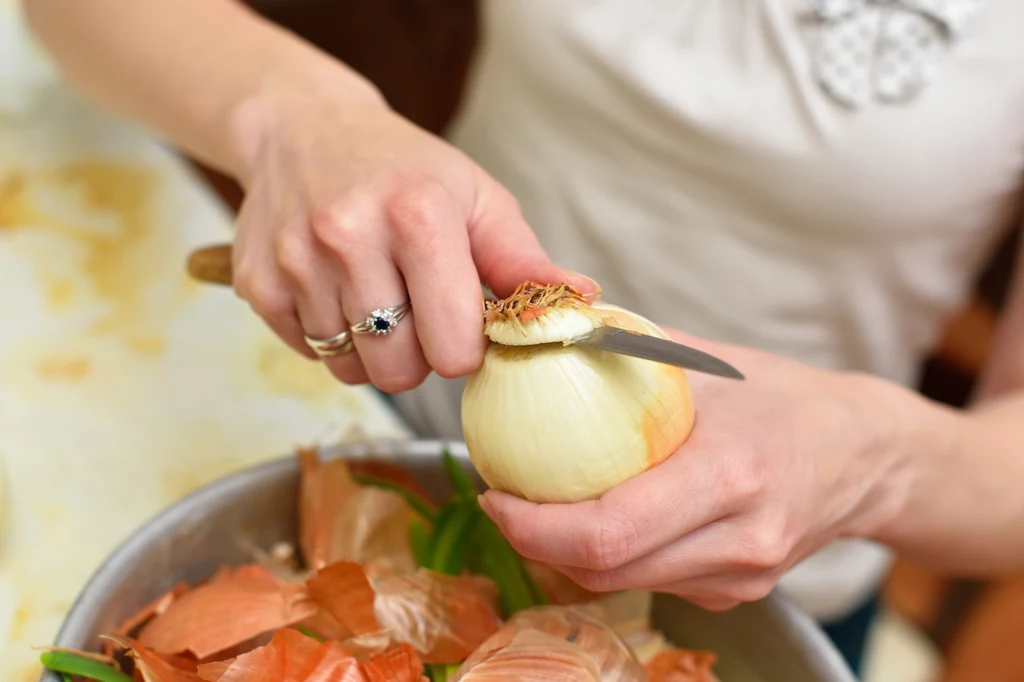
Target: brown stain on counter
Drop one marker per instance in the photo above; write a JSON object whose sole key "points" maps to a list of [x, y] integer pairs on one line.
{"points": [[70, 368], [107, 210], [31, 674], [283, 372], [144, 344], [59, 293], [19, 621]]}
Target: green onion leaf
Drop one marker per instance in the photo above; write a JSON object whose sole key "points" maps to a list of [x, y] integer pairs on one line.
{"points": [[450, 540], [421, 506], [309, 633], [461, 482], [440, 672], [443, 517], [420, 541], [73, 664], [502, 564]]}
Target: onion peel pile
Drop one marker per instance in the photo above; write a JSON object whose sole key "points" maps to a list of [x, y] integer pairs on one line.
{"points": [[447, 599]]}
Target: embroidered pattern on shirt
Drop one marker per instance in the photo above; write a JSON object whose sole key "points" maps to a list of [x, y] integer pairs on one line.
{"points": [[884, 49]]}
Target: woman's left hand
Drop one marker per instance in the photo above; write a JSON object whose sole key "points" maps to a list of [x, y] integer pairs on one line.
{"points": [[776, 467]]}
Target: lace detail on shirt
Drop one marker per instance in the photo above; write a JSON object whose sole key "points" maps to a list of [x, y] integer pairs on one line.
{"points": [[886, 50]]}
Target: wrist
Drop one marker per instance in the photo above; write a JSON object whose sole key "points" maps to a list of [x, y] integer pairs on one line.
{"points": [[301, 80], [910, 436]]}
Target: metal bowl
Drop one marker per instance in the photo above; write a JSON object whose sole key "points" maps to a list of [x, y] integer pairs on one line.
{"points": [[768, 641]]}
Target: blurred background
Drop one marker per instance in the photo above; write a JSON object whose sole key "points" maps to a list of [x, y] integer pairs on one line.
{"points": [[123, 385]]}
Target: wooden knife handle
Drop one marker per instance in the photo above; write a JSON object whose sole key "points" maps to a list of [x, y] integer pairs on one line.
{"points": [[211, 264]]}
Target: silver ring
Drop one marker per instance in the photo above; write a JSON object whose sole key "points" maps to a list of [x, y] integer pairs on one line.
{"points": [[382, 321], [329, 348]]}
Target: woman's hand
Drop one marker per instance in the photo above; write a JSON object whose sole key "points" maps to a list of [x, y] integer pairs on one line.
{"points": [[775, 468], [348, 207], [351, 208]]}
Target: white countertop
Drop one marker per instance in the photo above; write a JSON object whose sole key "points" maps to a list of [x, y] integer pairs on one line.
{"points": [[123, 385]]}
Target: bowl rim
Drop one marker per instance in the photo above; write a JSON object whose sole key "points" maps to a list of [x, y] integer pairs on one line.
{"points": [[797, 623]]}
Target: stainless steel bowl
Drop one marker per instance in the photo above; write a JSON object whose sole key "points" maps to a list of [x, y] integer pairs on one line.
{"points": [[767, 641]]}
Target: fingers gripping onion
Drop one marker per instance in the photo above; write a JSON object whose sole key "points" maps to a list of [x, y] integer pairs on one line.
{"points": [[551, 422]]}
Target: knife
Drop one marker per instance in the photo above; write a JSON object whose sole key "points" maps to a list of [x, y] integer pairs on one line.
{"points": [[616, 340], [213, 264]]}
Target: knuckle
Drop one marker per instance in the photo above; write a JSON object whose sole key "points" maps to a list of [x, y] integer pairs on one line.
{"points": [[744, 484], [754, 589], [507, 200], [241, 281], [417, 210], [611, 542], [594, 581], [766, 546], [268, 302], [292, 254], [337, 223]]}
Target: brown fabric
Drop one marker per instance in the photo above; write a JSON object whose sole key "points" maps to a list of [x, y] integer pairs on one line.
{"points": [[417, 52]]}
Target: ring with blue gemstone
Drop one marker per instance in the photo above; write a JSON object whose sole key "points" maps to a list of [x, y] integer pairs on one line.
{"points": [[382, 321]]}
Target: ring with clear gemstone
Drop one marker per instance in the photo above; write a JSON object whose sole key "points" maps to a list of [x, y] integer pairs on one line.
{"points": [[382, 321]]}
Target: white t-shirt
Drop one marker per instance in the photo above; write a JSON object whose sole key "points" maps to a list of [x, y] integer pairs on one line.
{"points": [[817, 179]]}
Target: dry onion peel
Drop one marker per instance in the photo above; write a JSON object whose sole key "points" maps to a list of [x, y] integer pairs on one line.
{"points": [[235, 606], [551, 422], [558, 588], [529, 656], [155, 667], [343, 591], [400, 664], [628, 612], [344, 521], [443, 617], [552, 642], [155, 608], [292, 657], [681, 665], [289, 657]]}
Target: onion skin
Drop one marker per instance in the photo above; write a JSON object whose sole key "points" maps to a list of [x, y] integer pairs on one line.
{"points": [[558, 424]]}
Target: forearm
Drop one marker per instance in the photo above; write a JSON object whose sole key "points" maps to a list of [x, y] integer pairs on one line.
{"points": [[185, 67], [960, 489]]}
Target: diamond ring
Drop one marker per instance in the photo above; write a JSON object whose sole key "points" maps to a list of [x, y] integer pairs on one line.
{"points": [[382, 321]]}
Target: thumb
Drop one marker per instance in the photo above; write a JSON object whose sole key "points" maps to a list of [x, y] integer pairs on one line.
{"points": [[508, 253]]}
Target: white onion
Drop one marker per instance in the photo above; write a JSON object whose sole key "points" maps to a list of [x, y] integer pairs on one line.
{"points": [[551, 422]]}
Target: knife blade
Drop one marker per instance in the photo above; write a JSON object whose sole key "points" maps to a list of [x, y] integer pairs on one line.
{"points": [[616, 340]]}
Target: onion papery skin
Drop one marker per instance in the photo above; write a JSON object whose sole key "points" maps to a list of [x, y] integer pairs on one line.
{"points": [[555, 423]]}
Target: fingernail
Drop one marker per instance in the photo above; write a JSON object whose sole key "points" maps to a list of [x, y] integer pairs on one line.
{"points": [[485, 504], [593, 285]]}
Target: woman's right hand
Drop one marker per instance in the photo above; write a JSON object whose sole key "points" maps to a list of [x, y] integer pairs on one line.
{"points": [[350, 208]]}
